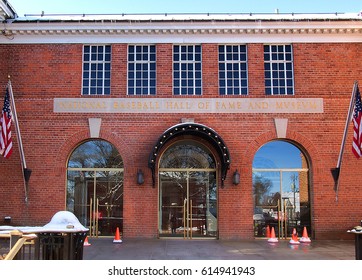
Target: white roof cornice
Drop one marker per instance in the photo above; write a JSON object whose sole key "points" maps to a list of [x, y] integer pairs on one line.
{"points": [[186, 30]]}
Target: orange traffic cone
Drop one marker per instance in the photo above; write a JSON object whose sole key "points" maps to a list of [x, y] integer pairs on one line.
{"points": [[117, 238], [267, 233], [294, 239], [272, 238], [86, 243], [305, 238]]}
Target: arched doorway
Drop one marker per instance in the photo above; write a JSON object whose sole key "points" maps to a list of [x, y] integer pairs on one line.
{"points": [[281, 190], [95, 187], [187, 191]]}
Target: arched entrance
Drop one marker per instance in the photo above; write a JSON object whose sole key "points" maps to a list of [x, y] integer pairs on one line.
{"points": [[95, 187], [281, 190], [187, 191], [188, 177]]}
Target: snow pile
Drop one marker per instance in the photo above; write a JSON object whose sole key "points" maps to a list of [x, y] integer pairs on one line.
{"points": [[64, 221]]}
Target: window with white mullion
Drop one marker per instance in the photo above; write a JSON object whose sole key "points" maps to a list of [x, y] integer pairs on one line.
{"points": [[96, 69], [141, 70], [233, 70], [187, 70], [278, 70]]}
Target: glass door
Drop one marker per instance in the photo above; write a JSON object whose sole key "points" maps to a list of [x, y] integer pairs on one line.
{"points": [[98, 200], [188, 204], [105, 205]]}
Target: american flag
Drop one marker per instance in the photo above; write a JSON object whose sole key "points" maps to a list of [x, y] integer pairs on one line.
{"points": [[6, 144], [357, 129]]}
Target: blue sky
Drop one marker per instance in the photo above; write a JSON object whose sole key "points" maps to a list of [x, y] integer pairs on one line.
{"points": [[278, 154], [183, 6]]}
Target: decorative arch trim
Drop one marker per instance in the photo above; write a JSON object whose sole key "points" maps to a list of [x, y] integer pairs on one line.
{"points": [[194, 129]]}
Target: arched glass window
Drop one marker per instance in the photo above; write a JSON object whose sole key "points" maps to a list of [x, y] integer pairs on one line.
{"points": [[95, 154], [280, 190], [187, 155], [95, 187]]}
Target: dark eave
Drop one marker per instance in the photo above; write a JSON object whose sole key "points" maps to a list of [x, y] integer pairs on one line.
{"points": [[198, 130]]}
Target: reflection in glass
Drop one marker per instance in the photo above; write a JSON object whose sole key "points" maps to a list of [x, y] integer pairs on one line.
{"points": [[280, 189], [95, 154], [95, 187], [186, 155], [188, 204], [278, 154], [188, 192]]}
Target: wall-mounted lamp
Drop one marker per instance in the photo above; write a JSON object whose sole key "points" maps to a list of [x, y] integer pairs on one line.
{"points": [[236, 177], [140, 177]]}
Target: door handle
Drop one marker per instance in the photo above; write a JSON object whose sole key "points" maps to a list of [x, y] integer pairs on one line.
{"points": [[191, 219], [97, 217], [184, 218], [90, 217]]}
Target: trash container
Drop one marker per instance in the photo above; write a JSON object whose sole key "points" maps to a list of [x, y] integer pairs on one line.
{"points": [[357, 231], [62, 238], [358, 245]]}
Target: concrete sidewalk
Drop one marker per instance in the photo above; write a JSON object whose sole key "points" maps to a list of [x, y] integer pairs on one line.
{"points": [[179, 249]]}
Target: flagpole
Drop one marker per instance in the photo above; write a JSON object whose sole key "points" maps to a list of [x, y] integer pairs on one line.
{"points": [[337, 170], [21, 149]]}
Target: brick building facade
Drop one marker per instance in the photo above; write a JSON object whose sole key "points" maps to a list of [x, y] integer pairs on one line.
{"points": [[215, 123]]}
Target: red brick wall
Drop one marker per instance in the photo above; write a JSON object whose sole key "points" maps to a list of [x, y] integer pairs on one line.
{"points": [[42, 72]]}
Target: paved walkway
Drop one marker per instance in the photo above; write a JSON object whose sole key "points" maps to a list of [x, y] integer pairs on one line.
{"points": [[172, 249]]}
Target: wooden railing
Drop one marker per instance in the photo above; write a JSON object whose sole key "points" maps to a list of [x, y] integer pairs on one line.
{"points": [[17, 245], [42, 245], [17, 241]]}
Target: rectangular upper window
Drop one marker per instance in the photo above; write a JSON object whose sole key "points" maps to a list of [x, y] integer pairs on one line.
{"points": [[278, 70], [141, 70], [96, 70], [233, 72], [187, 78]]}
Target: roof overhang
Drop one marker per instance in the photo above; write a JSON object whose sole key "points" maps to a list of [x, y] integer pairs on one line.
{"points": [[185, 29], [194, 129], [191, 17]]}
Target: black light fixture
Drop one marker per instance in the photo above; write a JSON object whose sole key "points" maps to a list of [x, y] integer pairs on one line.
{"points": [[140, 177], [236, 177]]}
